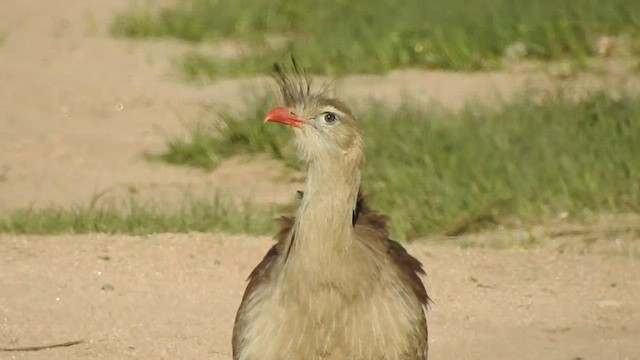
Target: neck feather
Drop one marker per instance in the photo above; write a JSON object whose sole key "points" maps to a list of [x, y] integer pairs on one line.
{"points": [[324, 221]]}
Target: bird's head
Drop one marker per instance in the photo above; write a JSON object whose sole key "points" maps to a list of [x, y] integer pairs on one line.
{"points": [[324, 127]]}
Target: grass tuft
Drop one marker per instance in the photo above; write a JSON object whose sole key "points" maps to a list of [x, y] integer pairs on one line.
{"points": [[239, 135], [457, 171], [140, 218], [342, 37]]}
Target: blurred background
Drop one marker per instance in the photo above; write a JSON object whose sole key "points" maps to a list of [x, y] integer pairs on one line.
{"points": [[477, 113], [341, 37]]}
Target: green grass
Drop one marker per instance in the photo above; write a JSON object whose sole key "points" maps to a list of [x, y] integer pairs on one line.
{"points": [[205, 149], [339, 37], [455, 171], [140, 218]]}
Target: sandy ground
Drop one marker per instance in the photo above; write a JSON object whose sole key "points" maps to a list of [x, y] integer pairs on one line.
{"points": [[77, 111], [174, 297]]}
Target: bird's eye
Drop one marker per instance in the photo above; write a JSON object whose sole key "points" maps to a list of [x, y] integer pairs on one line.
{"points": [[329, 118]]}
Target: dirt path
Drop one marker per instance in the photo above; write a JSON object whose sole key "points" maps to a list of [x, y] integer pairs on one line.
{"points": [[174, 297]]}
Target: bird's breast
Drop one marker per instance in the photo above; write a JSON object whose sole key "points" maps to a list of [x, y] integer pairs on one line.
{"points": [[351, 313]]}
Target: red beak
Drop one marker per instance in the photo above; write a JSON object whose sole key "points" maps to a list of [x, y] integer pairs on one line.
{"points": [[284, 116]]}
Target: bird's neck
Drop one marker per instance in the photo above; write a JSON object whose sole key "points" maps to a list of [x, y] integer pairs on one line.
{"points": [[324, 225]]}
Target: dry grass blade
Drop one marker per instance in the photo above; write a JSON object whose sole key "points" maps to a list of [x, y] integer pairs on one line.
{"points": [[43, 347], [486, 217]]}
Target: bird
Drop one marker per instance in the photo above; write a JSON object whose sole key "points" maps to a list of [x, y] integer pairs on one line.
{"points": [[334, 286]]}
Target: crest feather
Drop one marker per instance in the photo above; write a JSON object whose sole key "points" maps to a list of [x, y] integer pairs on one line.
{"points": [[295, 84]]}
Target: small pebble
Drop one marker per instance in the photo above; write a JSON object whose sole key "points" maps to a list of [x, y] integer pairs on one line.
{"points": [[107, 287]]}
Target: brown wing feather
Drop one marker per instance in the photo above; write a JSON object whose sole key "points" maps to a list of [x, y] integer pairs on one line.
{"points": [[261, 272], [410, 267]]}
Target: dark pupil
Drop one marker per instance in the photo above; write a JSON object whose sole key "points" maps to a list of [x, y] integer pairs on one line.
{"points": [[329, 117]]}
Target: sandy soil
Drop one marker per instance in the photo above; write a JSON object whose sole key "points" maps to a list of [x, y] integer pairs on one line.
{"points": [[174, 297], [78, 110]]}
